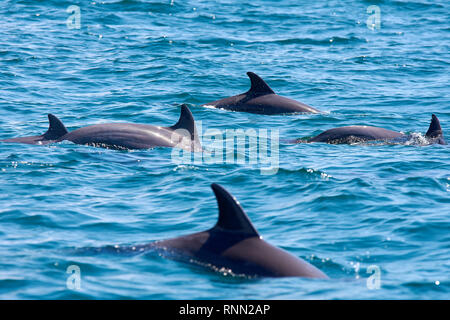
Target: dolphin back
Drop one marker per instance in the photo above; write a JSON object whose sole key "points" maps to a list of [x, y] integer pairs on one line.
{"points": [[235, 245], [55, 132], [122, 135], [261, 99]]}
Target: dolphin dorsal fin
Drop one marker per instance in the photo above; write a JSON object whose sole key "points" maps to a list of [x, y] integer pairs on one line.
{"points": [[259, 86], [231, 215], [186, 122], [56, 128], [435, 129]]}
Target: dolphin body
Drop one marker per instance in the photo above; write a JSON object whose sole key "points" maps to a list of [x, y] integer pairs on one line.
{"points": [[233, 244], [122, 135], [261, 99], [353, 134]]}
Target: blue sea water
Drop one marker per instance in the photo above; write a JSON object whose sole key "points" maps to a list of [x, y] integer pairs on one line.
{"points": [[344, 208]]}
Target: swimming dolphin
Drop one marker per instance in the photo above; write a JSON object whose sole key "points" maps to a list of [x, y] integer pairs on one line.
{"points": [[122, 135], [353, 134], [261, 99], [233, 244]]}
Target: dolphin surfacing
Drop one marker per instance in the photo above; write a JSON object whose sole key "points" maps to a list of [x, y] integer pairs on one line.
{"points": [[122, 135], [234, 244], [353, 134], [261, 99]]}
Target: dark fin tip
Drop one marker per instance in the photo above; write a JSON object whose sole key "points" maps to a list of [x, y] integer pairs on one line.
{"points": [[231, 215], [258, 85], [56, 128], [435, 129], [186, 122]]}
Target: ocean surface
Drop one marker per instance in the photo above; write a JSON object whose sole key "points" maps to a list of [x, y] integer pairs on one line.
{"points": [[374, 217]]}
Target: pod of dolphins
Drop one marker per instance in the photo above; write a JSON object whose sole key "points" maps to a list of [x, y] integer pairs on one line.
{"points": [[233, 244]]}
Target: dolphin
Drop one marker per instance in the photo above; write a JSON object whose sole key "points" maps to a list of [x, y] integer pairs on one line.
{"points": [[261, 99], [233, 244], [122, 135], [353, 134]]}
